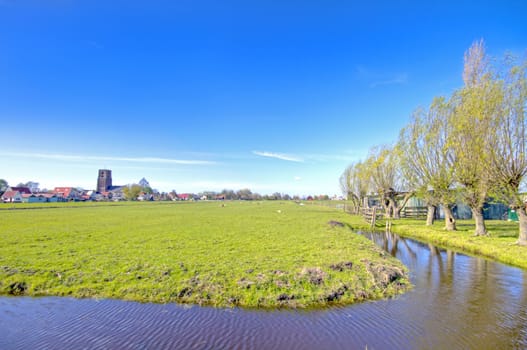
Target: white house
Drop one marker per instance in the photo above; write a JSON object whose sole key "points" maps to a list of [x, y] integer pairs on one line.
{"points": [[12, 197]]}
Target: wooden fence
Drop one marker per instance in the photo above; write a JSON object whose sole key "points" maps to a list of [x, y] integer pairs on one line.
{"points": [[371, 215], [414, 212]]}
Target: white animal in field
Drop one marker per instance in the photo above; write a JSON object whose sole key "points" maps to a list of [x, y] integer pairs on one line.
{"points": [[279, 211]]}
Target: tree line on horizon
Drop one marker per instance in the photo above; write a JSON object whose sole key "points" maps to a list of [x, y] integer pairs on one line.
{"points": [[133, 191], [469, 146]]}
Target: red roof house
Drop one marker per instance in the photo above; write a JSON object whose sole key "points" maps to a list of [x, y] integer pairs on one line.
{"points": [[67, 192]]}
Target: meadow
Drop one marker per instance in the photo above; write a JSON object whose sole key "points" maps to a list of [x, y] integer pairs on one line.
{"points": [[247, 254]]}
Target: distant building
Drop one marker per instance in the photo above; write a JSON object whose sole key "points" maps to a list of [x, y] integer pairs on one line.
{"points": [[105, 188], [12, 197], [52, 197], [67, 193], [22, 189], [104, 181], [184, 196], [144, 183], [34, 198]]}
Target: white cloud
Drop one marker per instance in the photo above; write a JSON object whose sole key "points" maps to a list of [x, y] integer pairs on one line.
{"points": [[280, 156], [87, 158], [298, 178]]}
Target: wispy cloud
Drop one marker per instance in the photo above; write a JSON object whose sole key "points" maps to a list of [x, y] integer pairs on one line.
{"points": [[346, 156], [398, 79], [376, 78], [280, 156], [89, 158]]}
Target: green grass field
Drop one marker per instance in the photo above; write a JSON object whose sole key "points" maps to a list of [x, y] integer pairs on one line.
{"points": [[249, 254]]}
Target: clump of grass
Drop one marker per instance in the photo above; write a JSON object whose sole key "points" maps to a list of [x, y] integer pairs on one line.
{"points": [[243, 254], [314, 275]]}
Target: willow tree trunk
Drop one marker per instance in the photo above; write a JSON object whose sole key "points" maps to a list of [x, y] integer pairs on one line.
{"points": [[481, 230], [396, 212], [522, 217], [450, 222], [388, 206], [398, 209], [430, 215]]}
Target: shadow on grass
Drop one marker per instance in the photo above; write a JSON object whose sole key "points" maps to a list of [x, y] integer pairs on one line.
{"points": [[497, 228]]}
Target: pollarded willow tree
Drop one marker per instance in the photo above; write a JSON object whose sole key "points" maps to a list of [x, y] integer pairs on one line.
{"points": [[427, 159], [354, 185], [509, 146], [346, 185], [474, 144], [382, 167], [476, 107]]}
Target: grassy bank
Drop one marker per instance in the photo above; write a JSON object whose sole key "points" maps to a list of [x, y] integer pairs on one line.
{"points": [[499, 246], [250, 254]]}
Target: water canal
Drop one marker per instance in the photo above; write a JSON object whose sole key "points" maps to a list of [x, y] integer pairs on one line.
{"points": [[458, 302]]}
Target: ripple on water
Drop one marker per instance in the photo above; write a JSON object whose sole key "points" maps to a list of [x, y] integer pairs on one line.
{"points": [[457, 302]]}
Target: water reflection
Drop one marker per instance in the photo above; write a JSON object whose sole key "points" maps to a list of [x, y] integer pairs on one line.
{"points": [[458, 302], [476, 302]]}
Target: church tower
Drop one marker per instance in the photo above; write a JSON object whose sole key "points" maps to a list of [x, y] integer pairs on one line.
{"points": [[104, 181]]}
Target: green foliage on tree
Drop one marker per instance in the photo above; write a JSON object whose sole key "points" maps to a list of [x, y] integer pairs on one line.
{"points": [[354, 183], [382, 167], [427, 159], [131, 192], [471, 145], [244, 194], [3, 186], [477, 107], [509, 144]]}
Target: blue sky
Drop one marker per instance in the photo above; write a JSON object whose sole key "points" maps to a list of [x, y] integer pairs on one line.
{"points": [[276, 96]]}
